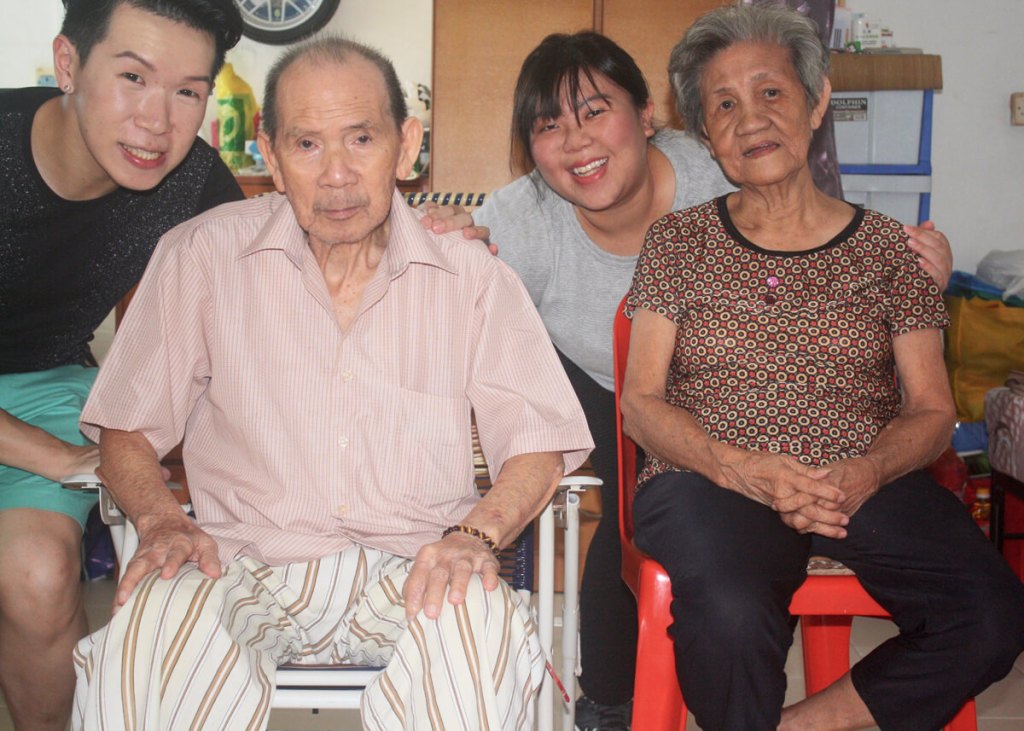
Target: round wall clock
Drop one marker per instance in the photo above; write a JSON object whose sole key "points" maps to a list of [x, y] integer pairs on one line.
{"points": [[284, 21]]}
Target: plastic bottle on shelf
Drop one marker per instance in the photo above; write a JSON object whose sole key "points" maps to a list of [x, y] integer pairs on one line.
{"points": [[236, 112], [842, 26]]}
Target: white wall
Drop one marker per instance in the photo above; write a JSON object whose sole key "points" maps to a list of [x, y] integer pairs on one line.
{"points": [[401, 29], [26, 32], [977, 156]]}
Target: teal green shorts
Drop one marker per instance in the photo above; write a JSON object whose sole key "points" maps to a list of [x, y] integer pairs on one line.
{"points": [[53, 401]]}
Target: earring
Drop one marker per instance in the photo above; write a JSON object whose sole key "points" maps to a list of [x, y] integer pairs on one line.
{"points": [[66, 88]]}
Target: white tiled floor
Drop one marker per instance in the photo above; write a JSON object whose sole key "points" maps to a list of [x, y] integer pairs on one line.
{"points": [[1000, 708]]}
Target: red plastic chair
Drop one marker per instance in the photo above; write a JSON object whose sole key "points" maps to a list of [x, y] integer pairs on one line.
{"points": [[825, 603]]}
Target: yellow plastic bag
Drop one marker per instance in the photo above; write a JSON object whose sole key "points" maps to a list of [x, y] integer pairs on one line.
{"points": [[985, 341]]}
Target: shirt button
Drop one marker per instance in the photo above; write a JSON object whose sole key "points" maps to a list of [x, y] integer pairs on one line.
{"points": [[342, 441], [342, 510], [347, 376]]}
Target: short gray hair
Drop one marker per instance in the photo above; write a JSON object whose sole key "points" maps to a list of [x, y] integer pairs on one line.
{"points": [[336, 50], [725, 26]]}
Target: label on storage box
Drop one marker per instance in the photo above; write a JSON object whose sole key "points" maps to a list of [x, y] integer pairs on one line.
{"points": [[849, 109]]}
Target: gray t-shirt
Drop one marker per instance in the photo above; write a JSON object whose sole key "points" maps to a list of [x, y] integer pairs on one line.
{"points": [[575, 284]]}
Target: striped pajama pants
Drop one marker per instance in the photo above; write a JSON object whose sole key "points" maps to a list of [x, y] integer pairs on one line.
{"points": [[193, 652]]}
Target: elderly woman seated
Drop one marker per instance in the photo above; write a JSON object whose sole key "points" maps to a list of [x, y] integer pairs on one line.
{"points": [[785, 380]]}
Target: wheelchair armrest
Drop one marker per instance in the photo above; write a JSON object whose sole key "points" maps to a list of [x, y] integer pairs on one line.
{"points": [[83, 482]]}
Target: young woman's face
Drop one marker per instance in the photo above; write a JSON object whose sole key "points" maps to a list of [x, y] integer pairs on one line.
{"points": [[594, 153]]}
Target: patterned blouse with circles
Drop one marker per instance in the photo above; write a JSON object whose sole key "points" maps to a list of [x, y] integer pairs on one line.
{"points": [[785, 352]]}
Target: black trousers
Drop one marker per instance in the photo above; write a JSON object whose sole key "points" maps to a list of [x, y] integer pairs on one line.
{"points": [[734, 567], [608, 620]]}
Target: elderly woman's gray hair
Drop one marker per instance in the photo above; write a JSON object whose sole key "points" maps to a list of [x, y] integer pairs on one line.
{"points": [[725, 26]]}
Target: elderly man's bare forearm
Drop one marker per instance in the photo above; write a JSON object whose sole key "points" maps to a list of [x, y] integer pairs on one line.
{"points": [[524, 486], [167, 537], [131, 473]]}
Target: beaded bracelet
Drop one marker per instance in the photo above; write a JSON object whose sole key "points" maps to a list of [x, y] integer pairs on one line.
{"points": [[476, 533]]}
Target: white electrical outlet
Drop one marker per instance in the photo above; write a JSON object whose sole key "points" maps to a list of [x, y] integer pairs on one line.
{"points": [[1017, 107]]}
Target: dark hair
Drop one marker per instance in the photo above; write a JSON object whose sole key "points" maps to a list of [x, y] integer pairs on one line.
{"points": [[725, 26], [557, 66], [336, 50], [86, 22]]}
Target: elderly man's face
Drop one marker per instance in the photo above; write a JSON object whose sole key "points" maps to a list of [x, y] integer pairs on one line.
{"points": [[337, 151]]}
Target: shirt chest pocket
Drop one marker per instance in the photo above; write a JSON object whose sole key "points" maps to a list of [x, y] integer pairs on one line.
{"points": [[432, 464]]}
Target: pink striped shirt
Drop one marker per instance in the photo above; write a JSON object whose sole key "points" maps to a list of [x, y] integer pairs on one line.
{"points": [[302, 438]]}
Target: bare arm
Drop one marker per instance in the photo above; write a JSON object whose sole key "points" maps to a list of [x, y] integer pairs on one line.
{"points": [[916, 437], [795, 490], [933, 250], [167, 537], [32, 449], [522, 489]]}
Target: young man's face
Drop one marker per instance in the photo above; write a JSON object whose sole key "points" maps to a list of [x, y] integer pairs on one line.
{"points": [[141, 96]]}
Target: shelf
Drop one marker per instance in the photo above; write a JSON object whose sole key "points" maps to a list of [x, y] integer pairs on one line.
{"points": [[884, 72], [253, 185]]}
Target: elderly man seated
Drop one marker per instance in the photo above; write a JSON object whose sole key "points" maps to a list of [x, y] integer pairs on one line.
{"points": [[322, 355]]}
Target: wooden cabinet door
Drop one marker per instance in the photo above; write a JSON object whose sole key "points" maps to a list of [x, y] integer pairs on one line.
{"points": [[647, 30], [479, 46]]}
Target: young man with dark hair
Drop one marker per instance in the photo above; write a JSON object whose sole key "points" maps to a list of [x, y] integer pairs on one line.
{"points": [[95, 173]]}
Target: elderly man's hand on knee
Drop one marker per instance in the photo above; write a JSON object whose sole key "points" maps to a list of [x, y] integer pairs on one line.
{"points": [[446, 566], [166, 542]]}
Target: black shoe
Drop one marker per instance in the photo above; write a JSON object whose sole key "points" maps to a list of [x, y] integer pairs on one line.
{"points": [[592, 716]]}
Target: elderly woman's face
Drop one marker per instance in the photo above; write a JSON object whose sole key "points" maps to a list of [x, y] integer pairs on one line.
{"points": [[757, 118]]}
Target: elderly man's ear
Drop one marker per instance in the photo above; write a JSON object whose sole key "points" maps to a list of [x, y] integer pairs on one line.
{"points": [[412, 139], [266, 148]]}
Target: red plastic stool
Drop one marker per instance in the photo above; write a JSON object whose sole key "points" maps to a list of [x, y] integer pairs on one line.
{"points": [[826, 604]]}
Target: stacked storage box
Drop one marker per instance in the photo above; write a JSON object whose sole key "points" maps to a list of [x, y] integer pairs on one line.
{"points": [[882, 107]]}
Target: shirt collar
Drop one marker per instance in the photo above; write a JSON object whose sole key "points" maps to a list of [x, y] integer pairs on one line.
{"points": [[408, 242]]}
